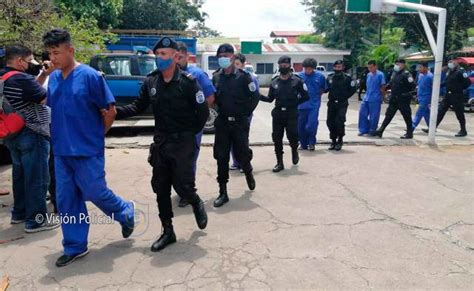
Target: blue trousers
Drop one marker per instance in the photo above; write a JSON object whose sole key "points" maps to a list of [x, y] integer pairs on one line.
{"points": [[308, 125], [423, 112], [81, 179], [29, 152], [369, 115]]}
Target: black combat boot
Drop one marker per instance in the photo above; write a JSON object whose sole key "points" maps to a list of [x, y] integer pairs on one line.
{"points": [[279, 166], [408, 135], [461, 133], [379, 132], [167, 237], [250, 180], [339, 143], [223, 198], [333, 145], [295, 158], [200, 214]]}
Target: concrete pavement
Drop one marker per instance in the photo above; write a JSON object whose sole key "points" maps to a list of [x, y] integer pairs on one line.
{"points": [[366, 218]]}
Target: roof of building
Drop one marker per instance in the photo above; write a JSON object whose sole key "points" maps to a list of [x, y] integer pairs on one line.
{"points": [[267, 49]]}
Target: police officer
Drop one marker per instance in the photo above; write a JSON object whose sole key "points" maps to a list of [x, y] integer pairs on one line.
{"points": [[207, 88], [341, 87], [236, 97], [402, 85], [180, 111], [456, 82], [289, 91]]}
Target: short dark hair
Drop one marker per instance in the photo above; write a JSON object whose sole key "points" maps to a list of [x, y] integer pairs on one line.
{"points": [[56, 37], [240, 57], [424, 64], [17, 51], [182, 47], [310, 63], [372, 62]]}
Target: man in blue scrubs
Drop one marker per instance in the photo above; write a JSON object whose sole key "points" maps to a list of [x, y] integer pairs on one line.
{"points": [[369, 113], [308, 112], [208, 90], [82, 109], [425, 87]]}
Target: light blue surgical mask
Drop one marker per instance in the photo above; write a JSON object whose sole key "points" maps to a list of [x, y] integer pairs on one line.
{"points": [[163, 64], [396, 68], [451, 66], [224, 62]]}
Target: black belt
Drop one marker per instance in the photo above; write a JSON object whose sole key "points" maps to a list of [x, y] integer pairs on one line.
{"points": [[282, 108], [232, 118], [175, 135]]}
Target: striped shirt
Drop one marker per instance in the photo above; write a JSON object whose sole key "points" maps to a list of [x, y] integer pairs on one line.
{"points": [[24, 94]]}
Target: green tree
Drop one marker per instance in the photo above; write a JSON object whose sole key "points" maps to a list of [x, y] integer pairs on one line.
{"points": [[25, 22], [279, 40], [310, 38], [355, 32], [160, 14], [107, 13], [460, 16]]}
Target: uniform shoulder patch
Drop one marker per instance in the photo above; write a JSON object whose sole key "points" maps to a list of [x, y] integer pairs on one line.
{"points": [[353, 83], [465, 75], [410, 79], [200, 98], [252, 86]]}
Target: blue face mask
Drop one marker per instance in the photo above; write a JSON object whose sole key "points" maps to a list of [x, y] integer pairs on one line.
{"points": [[396, 68], [224, 62], [163, 64]]}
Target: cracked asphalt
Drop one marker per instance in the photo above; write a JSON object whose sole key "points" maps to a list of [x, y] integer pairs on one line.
{"points": [[368, 217]]}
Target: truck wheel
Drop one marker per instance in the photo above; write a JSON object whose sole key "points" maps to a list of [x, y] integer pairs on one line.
{"points": [[209, 128]]}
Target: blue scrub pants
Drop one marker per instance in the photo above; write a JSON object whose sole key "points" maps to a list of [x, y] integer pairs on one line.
{"points": [[423, 112], [81, 179], [308, 121], [369, 115]]}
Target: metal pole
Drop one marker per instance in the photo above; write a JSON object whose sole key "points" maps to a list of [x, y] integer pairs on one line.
{"points": [[438, 50], [437, 76]]}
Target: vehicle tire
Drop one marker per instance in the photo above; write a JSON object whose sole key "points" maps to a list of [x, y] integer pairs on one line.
{"points": [[210, 128]]}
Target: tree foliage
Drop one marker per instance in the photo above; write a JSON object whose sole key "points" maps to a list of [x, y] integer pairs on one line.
{"points": [[25, 22], [310, 38], [106, 13]]}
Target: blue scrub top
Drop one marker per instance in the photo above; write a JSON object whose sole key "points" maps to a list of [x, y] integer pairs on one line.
{"points": [[77, 127], [316, 82], [374, 83], [425, 87], [203, 80]]}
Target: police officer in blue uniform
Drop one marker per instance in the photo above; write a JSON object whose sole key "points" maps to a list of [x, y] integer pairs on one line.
{"points": [[288, 91], [425, 88], [341, 87], [402, 85], [208, 90], [236, 97], [308, 115], [457, 80], [371, 104], [180, 110]]}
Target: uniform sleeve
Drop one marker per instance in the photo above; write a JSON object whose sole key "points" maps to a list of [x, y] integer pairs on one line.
{"points": [[252, 92], [465, 80], [101, 92], [199, 101], [302, 92], [328, 85], [32, 90], [138, 106], [352, 87], [271, 95], [323, 82], [206, 85]]}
